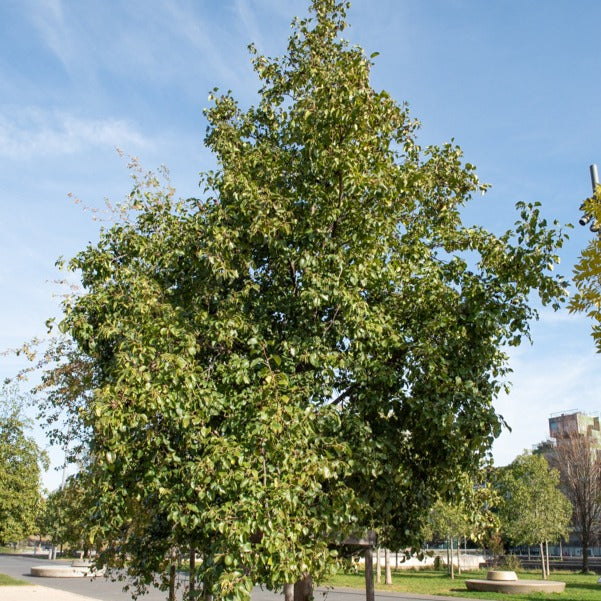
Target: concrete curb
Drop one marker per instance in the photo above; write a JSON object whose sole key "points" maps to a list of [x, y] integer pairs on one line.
{"points": [[27, 593]]}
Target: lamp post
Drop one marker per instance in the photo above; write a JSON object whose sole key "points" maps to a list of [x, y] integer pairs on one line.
{"points": [[595, 226]]}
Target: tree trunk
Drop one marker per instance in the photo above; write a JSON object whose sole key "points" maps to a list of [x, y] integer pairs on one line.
{"points": [[542, 560], [207, 585], [448, 557], [303, 589], [387, 566], [289, 592], [547, 553], [585, 547], [192, 586], [369, 575], [458, 557], [378, 567], [172, 574], [452, 560]]}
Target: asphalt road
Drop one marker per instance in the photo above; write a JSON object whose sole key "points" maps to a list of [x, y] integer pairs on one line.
{"points": [[97, 588], [103, 589]]}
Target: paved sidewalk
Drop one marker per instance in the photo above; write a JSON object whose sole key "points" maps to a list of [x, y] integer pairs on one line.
{"points": [[33, 593], [39, 593]]}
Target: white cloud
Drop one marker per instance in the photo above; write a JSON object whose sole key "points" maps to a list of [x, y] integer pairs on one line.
{"points": [[35, 132]]}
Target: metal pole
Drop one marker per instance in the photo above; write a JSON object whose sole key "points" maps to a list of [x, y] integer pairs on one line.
{"points": [[369, 574], [595, 227], [594, 177]]}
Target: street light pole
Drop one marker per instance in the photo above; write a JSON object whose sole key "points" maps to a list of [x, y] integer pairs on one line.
{"points": [[595, 226], [594, 176]]}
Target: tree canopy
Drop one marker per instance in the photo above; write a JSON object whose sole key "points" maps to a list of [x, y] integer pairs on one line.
{"points": [[310, 349]]}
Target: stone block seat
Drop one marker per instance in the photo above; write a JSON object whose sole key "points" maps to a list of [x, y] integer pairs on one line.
{"points": [[77, 569], [499, 581]]}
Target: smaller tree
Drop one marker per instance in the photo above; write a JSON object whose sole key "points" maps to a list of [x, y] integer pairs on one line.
{"points": [[468, 514], [449, 522], [21, 462], [532, 508], [65, 515]]}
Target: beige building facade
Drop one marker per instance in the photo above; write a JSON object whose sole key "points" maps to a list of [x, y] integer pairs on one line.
{"points": [[574, 423]]}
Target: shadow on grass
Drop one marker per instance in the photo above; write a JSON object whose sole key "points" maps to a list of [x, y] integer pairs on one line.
{"points": [[585, 587]]}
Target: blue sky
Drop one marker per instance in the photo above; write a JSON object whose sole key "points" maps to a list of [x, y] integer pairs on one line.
{"points": [[515, 82]]}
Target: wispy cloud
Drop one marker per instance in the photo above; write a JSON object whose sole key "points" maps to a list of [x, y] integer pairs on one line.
{"points": [[247, 17], [562, 316], [207, 39], [49, 18], [35, 132], [153, 44]]}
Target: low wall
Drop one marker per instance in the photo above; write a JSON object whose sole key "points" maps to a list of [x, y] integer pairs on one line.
{"points": [[466, 561]]}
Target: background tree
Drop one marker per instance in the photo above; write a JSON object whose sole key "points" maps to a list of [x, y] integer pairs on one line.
{"points": [[21, 462], [532, 508], [577, 458], [311, 350], [468, 514], [449, 523], [66, 512]]}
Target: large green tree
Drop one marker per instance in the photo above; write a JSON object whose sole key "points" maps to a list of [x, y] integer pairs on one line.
{"points": [[21, 462], [312, 348]]}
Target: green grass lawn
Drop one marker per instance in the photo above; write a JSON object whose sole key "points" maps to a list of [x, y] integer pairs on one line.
{"points": [[579, 587], [9, 581]]}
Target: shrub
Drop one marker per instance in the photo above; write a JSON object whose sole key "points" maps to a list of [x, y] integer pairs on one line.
{"points": [[511, 562]]}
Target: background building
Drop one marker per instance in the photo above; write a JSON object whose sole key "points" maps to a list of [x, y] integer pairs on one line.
{"points": [[575, 423]]}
